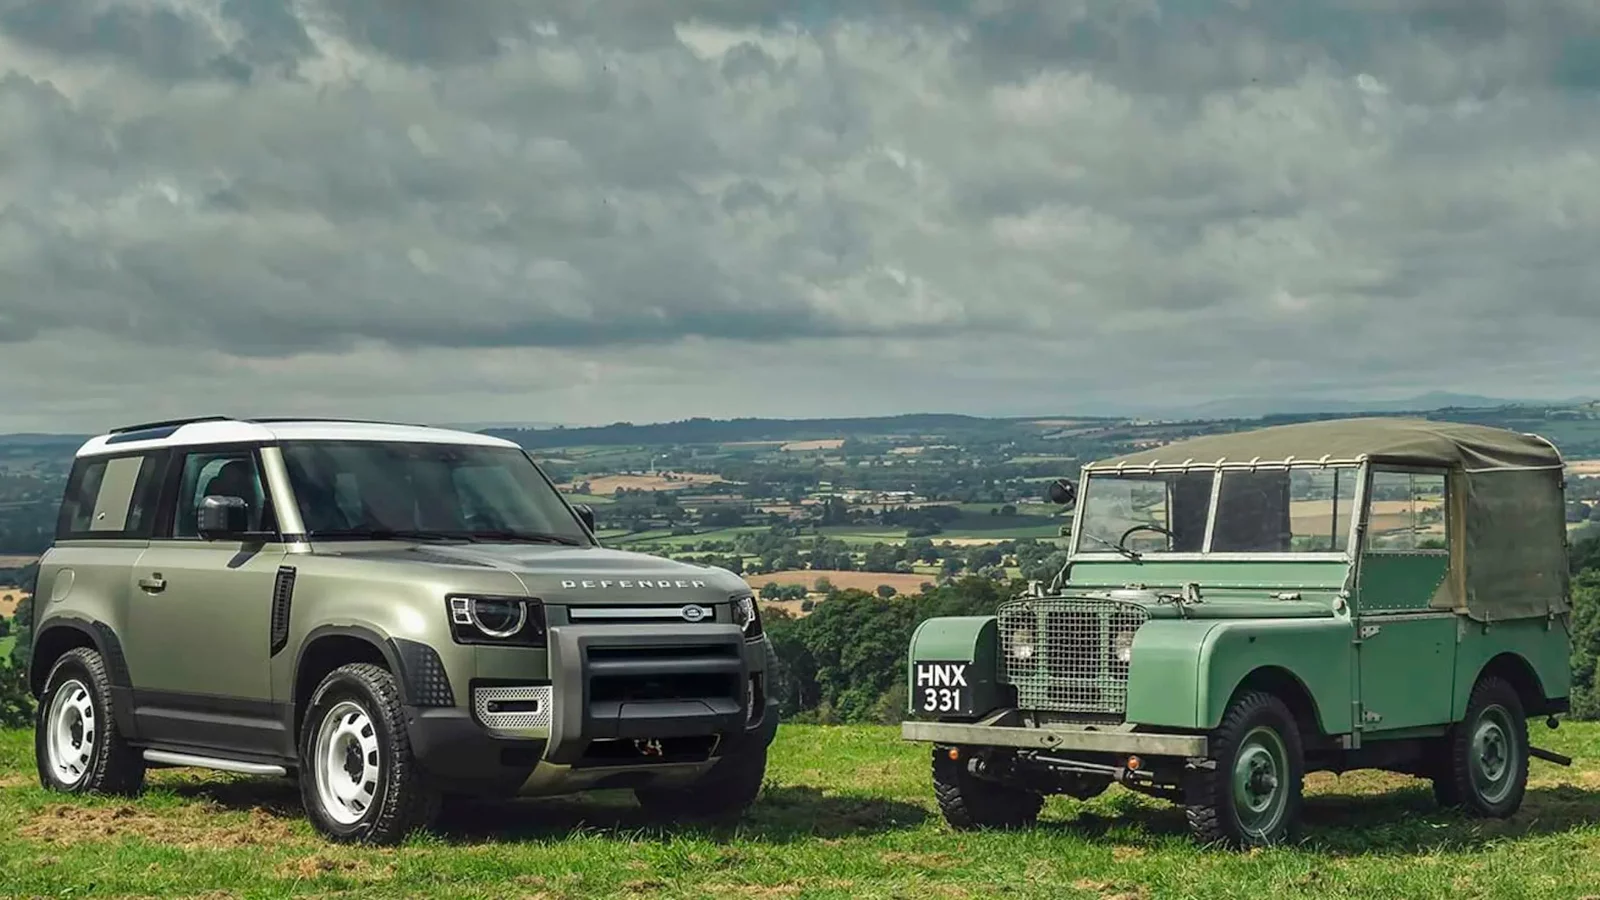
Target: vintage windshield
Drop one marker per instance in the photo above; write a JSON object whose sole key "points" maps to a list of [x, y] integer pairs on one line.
{"points": [[1273, 510], [1285, 510], [403, 489], [1145, 513]]}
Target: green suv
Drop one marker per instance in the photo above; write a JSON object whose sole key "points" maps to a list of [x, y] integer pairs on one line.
{"points": [[1241, 609], [392, 614]]}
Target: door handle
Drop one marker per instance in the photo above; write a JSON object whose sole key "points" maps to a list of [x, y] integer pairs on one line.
{"points": [[154, 584]]}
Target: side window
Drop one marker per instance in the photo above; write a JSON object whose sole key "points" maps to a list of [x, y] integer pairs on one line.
{"points": [[1406, 512], [227, 473], [109, 497]]}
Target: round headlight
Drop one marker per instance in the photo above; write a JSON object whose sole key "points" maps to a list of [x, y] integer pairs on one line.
{"points": [[1022, 645], [1122, 646], [498, 617]]}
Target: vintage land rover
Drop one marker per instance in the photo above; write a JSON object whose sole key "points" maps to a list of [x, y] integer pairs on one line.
{"points": [[1240, 609], [395, 615]]}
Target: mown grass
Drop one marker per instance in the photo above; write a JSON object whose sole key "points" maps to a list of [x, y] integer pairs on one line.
{"points": [[847, 813]]}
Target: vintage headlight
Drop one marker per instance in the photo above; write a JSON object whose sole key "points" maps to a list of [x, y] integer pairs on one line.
{"points": [[747, 616], [496, 620], [1122, 646], [1021, 644]]}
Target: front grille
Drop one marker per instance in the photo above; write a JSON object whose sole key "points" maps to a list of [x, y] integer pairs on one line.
{"points": [[1073, 665], [627, 674]]}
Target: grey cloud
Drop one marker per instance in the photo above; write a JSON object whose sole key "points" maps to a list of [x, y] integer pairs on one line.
{"points": [[975, 203]]}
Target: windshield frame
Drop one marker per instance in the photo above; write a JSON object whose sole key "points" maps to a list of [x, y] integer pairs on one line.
{"points": [[1080, 549], [581, 536]]}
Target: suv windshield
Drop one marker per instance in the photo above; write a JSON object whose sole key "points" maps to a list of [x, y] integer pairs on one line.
{"points": [[1282, 510], [385, 489]]}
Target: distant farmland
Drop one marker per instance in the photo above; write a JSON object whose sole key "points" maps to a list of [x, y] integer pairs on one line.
{"points": [[865, 581]]}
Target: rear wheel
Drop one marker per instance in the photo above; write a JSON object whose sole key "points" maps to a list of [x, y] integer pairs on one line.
{"points": [[1252, 795], [1486, 764], [77, 741], [969, 802]]}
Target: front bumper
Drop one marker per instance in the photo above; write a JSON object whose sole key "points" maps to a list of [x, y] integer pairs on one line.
{"points": [[1056, 738], [618, 706]]}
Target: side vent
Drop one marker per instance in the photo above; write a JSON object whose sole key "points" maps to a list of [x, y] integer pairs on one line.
{"points": [[282, 596]]}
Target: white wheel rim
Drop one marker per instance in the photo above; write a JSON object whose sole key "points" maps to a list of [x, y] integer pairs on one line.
{"points": [[347, 763], [72, 729]]}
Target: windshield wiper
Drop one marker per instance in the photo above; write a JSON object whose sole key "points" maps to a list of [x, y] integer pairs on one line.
{"points": [[1134, 555], [391, 534], [528, 537]]}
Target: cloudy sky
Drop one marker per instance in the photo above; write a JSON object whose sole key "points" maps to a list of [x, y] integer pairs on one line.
{"points": [[581, 211]]}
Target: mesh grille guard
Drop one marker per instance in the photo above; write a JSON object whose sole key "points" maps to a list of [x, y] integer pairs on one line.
{"points": [[1061, 653]]}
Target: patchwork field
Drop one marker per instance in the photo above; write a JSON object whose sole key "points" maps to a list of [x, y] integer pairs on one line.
{"points": [[847, 812], [1587, 468], [812, 446], [606, 485], [16, 562], [10, 596], [865, 581]]}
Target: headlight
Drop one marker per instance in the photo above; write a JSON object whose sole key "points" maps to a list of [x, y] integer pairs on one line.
{"points": [[747, 616], [1122, 646], [1021, 645], [497, 620]]}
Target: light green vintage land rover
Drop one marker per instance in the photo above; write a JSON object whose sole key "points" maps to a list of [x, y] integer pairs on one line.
{"points": [[1240, 609]]}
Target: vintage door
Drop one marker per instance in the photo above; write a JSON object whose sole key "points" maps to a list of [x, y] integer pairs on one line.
{"points": [[1405, 650]]}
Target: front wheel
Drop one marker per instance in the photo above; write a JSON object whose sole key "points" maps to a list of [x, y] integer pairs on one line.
{"points": [[969, 803], [1485, 771], [1251, 796], [358, 778]]}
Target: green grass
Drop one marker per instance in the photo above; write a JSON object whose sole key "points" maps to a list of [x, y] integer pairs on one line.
{"points": [[6, 643], [847, 813]]}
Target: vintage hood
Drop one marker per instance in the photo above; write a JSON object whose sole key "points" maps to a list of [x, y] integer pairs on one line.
{"points": [[569, 575], [1222, 604]]}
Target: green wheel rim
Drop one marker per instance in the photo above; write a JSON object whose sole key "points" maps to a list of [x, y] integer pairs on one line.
{"points": [[1494, 761], [1260, 782]]}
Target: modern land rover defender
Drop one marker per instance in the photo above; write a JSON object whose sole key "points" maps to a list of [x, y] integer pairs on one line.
{"points": [[392, 614], [1240, 609]]}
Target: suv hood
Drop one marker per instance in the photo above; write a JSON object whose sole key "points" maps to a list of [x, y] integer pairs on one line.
{"points": [[568, 575]]}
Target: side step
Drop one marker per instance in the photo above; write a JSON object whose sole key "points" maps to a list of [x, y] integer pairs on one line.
{"points": [[168, 758]]}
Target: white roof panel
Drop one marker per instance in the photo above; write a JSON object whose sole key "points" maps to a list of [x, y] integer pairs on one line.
{"points": [[229, 431]]}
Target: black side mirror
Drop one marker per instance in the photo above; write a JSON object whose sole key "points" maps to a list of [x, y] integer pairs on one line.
{"points": [[1063, 492], [223, 517], [585, 514]]}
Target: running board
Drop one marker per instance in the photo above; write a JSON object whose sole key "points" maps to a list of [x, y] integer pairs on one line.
{"points": [[168, 758]]}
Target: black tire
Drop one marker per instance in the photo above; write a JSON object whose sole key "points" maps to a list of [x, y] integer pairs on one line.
{"points": [[356, 713], [1260, 758], [725, 792], [88, 738], [1485, 770], [970, 803]]}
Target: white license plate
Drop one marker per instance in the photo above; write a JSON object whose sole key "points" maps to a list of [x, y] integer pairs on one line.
{"points": [[942, 688]]}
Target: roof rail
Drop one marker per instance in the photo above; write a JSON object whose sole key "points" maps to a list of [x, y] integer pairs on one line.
{"points": [[169, 423]]}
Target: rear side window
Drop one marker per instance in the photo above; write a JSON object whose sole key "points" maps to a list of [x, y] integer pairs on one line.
{"points": [[110, 497]]}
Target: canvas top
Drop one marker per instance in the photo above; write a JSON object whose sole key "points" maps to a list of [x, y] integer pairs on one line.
{"points": [[1406, 441]]}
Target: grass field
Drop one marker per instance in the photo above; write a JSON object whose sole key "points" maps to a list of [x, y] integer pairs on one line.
{"points": [[847, 813]]}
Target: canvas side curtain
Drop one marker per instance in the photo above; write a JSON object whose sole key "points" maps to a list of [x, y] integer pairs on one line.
{"points": [[1515, 544]]}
